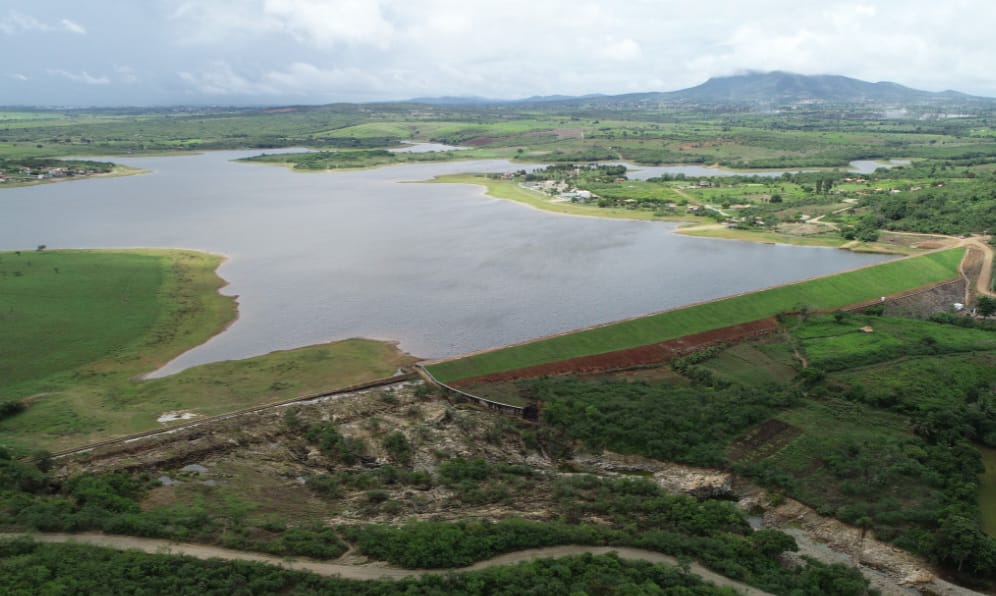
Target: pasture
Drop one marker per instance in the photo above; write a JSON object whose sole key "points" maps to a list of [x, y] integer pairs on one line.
{"points": [[82, 327]]}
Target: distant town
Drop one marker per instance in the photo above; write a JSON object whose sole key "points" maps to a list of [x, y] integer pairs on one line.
{"points": [[26, 171]]}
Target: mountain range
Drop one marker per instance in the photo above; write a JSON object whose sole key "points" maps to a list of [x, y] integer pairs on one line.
{"points": [[765, 88]]}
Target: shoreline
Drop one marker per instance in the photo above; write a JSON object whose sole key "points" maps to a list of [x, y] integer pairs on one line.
{"points": [[223, 258], [692, 224], [118, 171], [539, 204]]}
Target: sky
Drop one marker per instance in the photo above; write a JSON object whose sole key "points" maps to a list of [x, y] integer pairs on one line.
{"points": [[271, 52]]}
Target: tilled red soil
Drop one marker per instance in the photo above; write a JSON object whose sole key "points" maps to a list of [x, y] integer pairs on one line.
{"points": [[641, 356]]}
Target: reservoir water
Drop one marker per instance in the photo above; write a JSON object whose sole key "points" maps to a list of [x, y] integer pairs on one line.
{"points": [[441, 268]]}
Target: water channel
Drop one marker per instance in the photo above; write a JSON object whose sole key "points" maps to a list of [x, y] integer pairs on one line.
{"points": [[443, 269]]}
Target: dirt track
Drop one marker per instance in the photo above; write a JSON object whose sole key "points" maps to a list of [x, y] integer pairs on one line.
{"points": [[375, 571], [985, 280]]}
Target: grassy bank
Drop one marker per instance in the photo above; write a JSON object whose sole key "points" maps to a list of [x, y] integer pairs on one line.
{"points": [[66, 309], [721, 231], [823, 293], [510, 190], [829, 239], [80, 328]]}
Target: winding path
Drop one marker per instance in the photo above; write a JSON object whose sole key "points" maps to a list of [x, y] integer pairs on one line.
{"points": [[985, 276], [370, 571]]}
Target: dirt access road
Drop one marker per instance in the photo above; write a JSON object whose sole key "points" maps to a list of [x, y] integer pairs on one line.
{"points": [[985, 280], [373, 571]]}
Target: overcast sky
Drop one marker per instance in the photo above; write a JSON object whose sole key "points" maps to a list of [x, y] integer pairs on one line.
{"points": [[160, 52]]}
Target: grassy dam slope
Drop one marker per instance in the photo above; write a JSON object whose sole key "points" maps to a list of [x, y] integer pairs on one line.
{"points": [[824, 293]]}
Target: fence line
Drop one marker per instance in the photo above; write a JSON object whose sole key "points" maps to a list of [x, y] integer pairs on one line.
{"points": [[528, 412], [172, 429]]}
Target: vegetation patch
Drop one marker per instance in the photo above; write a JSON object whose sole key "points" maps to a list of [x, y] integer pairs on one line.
{"points": [[34, 568], [754, 363], [627, 417], [882, 434], [761, 441]]}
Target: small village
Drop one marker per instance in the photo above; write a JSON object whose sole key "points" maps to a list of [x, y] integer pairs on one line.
{"points": [[33, 171]]}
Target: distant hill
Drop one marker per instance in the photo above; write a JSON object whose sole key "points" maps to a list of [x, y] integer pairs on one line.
{"points": [[776, 88], [476, 101], [785, 87], [448, 100]]}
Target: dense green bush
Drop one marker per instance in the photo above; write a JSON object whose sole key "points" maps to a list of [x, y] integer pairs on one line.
{"points": [[9, 409], [334, 444], [628, 417], [33, 568], [30, 499]]}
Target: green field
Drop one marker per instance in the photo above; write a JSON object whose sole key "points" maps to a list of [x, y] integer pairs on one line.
{"points": [[81, 327], [824, 293], [833, 346], [756, 363], [65, 309]]}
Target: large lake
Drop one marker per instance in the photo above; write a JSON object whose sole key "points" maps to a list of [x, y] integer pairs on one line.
{"points": [[443, 269]]}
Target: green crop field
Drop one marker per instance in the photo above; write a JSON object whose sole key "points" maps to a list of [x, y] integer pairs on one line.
{"points": [[831, 346], [820, 294], [64, 309], [754, 364], [81, 327]]}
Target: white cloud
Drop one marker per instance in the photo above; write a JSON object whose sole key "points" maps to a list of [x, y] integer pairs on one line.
{"points": [[126, 74], [73, 27], [299, 79], [16, 21], [325, 50], [219, 78], [514, 48], [625, 50], [326, 23], [211, 22], [315, 23], [79, 77], [18, 76]]}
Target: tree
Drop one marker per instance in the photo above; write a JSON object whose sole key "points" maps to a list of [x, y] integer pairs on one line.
{"points": [[985, 306], [398, 447]]}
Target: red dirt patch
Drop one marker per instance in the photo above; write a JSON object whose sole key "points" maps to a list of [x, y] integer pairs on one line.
{"points": [[569, 133], [479, 141], [633, 357]]}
